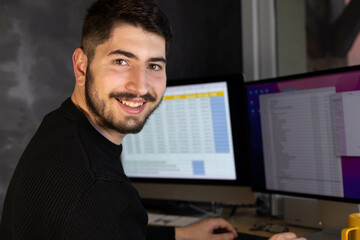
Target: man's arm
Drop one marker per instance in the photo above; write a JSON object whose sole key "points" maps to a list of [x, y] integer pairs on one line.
{"points": [[204, 230]]}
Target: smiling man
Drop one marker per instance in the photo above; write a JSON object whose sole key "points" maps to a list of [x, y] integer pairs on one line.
{"points": [[69, 182]]}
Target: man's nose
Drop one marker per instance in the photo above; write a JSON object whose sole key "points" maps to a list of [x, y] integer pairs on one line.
{"points": [[137, 82]]}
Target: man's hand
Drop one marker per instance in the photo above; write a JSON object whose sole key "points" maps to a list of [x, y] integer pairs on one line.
{"points": [[204, 230], [286, 236]]}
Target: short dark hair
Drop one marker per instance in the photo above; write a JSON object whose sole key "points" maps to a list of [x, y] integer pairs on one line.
{"points": [[104, 15]]}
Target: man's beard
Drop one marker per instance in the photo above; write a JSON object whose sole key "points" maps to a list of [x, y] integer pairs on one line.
{"points": [[106, 119]]}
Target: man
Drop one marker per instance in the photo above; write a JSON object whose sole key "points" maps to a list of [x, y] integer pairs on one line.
{"points": [[69, 182]]}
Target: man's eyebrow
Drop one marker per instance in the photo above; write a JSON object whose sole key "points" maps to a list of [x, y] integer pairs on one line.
{"points": [[124, 53], [158, 59], [131, 55]]}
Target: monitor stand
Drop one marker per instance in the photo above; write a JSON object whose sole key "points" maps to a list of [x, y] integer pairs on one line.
{"points": [[333, 216], [182, 208]]}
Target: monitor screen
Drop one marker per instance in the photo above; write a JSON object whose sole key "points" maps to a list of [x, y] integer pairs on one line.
{"points": [[305, 134], [193, 137]]}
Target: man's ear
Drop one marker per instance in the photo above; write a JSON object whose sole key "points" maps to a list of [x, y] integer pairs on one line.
{"points": [[80, 63]]}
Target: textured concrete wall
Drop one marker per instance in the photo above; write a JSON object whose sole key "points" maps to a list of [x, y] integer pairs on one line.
{"points": [[37, 39]]}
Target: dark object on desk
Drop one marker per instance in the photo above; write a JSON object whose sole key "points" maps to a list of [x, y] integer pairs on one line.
{"points": [[241, 236], [269, 227], [245, 236]]}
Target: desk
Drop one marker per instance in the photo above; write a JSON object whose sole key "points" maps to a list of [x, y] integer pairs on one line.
{"points": [[244, 219]]}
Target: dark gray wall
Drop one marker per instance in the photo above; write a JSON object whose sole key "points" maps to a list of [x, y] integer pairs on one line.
{"points": [[207, 37], [37, 39], [36, 43]]}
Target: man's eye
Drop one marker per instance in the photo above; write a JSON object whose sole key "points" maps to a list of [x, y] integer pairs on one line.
{"points": [[155, 67], [120, 62]]}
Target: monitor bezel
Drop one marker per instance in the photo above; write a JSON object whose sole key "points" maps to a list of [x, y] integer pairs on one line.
{"points": [[235, 83], [255, 177]]}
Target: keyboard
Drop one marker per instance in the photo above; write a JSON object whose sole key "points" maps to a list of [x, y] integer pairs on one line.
{"points": [[322, 236], [244, 236], [156, 219]]}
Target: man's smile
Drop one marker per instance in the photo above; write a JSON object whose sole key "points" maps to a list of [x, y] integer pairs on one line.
{"points": [[131, 104], [135, 106]]}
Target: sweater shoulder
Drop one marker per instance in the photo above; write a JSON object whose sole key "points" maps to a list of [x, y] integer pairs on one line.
{"points": [[108, 209], [50, 176]]}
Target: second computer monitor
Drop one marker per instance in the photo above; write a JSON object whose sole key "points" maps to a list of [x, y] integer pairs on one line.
{"points": [[305, 134]]}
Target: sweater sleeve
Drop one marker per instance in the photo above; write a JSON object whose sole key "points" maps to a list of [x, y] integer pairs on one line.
{"points": [[160, 233], [108, 210]]}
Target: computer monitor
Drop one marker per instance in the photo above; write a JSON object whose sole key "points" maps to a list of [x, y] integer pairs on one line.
{"points": [[193, 147], [305, 142], [305, 134]]}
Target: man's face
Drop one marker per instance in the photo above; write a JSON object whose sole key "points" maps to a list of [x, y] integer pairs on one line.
{"points": [[126, 79]]}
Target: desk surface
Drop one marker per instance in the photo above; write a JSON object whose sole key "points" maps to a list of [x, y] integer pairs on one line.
{"points": [[244, 219]]}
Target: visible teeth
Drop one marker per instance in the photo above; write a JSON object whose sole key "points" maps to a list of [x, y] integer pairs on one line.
{"points": [[132, 104]]}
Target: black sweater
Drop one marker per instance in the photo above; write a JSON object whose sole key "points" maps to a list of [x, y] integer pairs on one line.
{"points": [[70, 184]]}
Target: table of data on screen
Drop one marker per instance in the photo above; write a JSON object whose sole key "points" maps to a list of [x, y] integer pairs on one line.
{"points": [[191, 121], [298, 138]]}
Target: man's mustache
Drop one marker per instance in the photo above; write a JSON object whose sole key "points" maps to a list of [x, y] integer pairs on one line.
{"points": [[127, 96]]}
